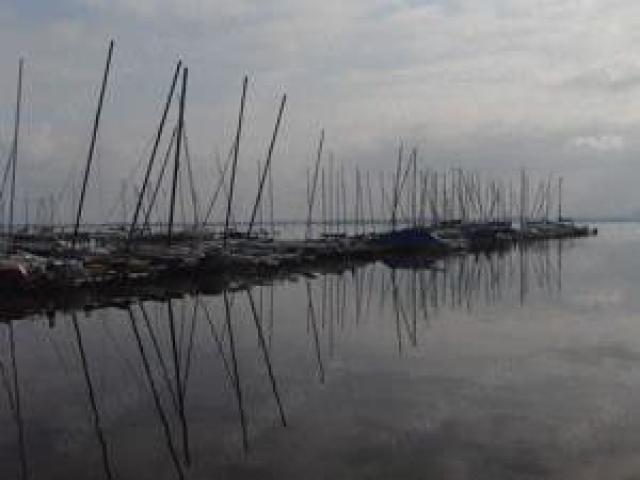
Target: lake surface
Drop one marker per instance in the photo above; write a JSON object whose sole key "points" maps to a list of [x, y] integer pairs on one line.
{"points": [[518, 365]]}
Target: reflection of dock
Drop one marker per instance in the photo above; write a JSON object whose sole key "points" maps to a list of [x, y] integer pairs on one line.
{"points": [[93, 299]]}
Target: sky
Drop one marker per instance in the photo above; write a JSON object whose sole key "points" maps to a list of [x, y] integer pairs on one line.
{"points": [[491, 86]]}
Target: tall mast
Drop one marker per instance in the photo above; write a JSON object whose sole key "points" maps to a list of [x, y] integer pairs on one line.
{"points": [[357, 201], [271, 219], [344, 199], [96, 122], [445, 198], [414, 187], [370, 195], [330, 196], [154, 150], [522, 198], [547, 202], [267, 165], [436, 216], [235, 159], [16, 132], [176, 164], [324, 202], [396, 188]]}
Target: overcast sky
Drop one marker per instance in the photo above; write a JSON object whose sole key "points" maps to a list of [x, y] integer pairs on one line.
{"points": [[491, 85]]}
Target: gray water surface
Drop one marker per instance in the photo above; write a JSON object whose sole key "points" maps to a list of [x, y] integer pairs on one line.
{"points": [[524, 364]]}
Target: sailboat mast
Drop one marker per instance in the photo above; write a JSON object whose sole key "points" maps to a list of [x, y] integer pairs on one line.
{"points": [[267, 165], [176, 165], [154, 150], [396, 188], [234, 165], [16, 133], [96, 122]]}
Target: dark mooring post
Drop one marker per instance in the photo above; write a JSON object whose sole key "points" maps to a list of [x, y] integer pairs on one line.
{"points": [[14, 159], [267, 165], [154, 151], [235, 160], [176, 164], [96, 122]]}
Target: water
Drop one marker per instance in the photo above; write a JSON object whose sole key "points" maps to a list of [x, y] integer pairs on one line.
{"points": [[514, 365]]}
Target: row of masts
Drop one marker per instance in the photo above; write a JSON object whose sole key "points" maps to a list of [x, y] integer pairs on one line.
{"points": [[412, 194], [421, 196], [435, 198]]}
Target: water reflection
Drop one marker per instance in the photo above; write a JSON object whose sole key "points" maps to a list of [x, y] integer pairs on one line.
{"points": [[162, 415], [97, 423], [12, 388], [201, 367]]}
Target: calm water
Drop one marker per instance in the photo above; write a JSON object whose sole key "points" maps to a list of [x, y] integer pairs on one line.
{"points": [[520, 365]]}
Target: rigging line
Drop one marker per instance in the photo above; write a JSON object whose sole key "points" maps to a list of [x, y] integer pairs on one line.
{"points": [[221, 184], [126, 180], [194, 195], [223, 174], [165, 162], [5, 175], [218, 342], [187, 365]]}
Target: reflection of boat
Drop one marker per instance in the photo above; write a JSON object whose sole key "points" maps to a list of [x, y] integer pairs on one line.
{"points": [[413, 238], [13, 275]]}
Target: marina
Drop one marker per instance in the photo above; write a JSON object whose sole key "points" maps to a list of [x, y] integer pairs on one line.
{"points": [[267, 241], [425, 212]]}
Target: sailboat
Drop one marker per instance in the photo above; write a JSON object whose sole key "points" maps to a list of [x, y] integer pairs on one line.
{"points": [[410, 238]]}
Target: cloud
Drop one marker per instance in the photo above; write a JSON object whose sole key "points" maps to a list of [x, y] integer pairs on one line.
{"points": [[615, 75], [599, 143]]}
